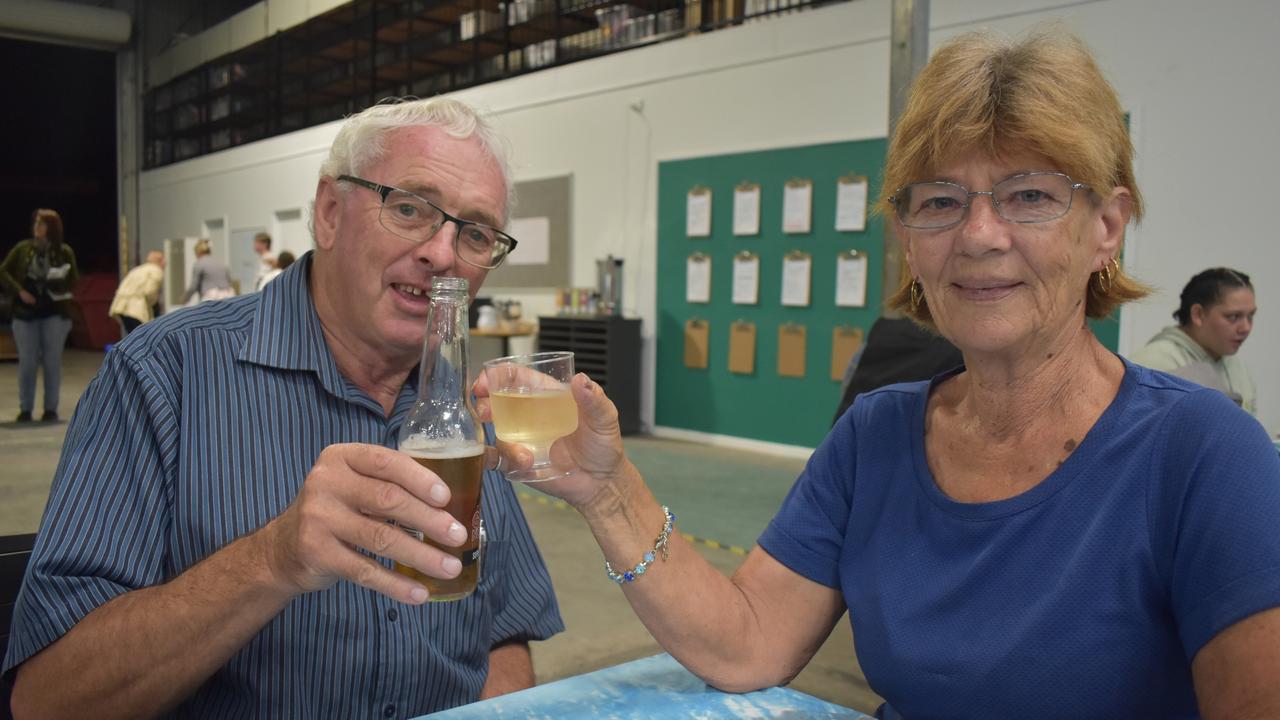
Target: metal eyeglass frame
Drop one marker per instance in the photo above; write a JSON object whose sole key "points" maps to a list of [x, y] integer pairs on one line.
{"points": [[1072, 184], [385, 190]]}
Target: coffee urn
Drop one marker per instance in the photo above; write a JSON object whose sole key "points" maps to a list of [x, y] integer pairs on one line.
{"points": [[609, 285]]}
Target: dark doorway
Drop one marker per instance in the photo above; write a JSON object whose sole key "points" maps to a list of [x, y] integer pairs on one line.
{"points": [[59, 147]]}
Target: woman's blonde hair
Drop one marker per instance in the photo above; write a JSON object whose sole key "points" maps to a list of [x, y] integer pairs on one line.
{"points": [[1043, 94]]}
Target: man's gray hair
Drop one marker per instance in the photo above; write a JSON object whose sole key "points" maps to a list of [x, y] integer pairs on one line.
{"points": [[362, 138]]}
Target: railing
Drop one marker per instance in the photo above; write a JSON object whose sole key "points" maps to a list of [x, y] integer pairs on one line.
{"points": [[353, 56]]}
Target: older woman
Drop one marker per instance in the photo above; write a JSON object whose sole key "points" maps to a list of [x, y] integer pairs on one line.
{"points": [[1215, 316], [1046, 532]]}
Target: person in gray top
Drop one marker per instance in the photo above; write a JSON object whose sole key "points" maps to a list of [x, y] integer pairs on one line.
{"points": [[210, 278]]}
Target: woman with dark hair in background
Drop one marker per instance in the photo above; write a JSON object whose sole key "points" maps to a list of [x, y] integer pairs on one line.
{"points": [[41, 271], [1215, 317]]}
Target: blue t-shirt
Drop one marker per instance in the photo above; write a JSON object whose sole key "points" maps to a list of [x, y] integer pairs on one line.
{"points": [[1086, 596]]}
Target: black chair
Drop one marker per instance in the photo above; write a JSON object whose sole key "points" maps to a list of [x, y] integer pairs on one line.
{"points": [[15, 550]]}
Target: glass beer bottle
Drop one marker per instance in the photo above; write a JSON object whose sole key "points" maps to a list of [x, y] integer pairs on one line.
{"points": [[443, 434]]}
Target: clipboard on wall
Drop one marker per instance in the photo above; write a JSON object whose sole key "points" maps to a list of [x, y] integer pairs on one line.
{"points": [[797, 270], [851, 279], [698, 212], [797, 206], [746, 208], [698, 278], [791, 350], [697, 333], [746, 278], [851, 203], [845, 341], [742, 348]]}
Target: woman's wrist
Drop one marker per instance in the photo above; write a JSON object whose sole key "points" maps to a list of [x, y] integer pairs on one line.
{"points": [[619, 498]]}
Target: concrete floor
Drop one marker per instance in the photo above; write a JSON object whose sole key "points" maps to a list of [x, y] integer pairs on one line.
{"points": [[601, 630]]}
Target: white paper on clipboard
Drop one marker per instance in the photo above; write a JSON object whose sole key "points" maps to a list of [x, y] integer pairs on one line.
{"points": [[797, 203], [795, 280], [698, 213], [851, 280], [746, 280], [698, 279], [746, 210], [851, 205]]}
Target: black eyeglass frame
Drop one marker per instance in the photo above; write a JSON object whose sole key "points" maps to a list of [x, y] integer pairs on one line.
{"points": [[384, 191], [1072, 184]]}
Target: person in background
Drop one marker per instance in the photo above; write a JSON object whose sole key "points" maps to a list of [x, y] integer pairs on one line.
{"points": [[282, 261], [266, 261], [1047, 531], [897, 350], [216, 543], [138, 293], [1215, 317], [210, 278], [41, 271]]}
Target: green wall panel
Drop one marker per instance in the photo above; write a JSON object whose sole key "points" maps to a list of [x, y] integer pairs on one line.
{"points": [[762, 406]]}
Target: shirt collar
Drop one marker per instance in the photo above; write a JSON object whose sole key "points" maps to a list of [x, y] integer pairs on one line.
{"points": [[287, 334], [286, 330]]}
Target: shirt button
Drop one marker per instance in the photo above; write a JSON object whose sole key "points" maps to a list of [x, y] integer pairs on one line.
{"points": [[392, 615], [389, 710]]}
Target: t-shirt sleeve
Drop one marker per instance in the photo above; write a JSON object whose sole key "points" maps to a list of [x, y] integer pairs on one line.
{"points": [[1215, 510], [103, 530], [523, 599], [808, 532]]}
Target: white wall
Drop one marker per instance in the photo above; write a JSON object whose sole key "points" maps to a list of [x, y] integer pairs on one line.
{"points": [[1198, 82]]}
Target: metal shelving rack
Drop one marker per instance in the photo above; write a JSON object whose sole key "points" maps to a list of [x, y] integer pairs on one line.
{"points": [[353, 56]]}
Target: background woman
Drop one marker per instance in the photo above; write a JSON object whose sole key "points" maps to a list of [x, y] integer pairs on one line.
{"points": [[41, 271], [210, 278], [1215, 317], [1047, 531]]}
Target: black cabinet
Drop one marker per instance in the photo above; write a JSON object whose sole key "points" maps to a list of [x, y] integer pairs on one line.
{"points": [[608, 350]]}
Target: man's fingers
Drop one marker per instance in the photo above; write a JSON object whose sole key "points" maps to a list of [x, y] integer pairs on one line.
{"points": [[394, 543], [367, 572], [385, 464]]}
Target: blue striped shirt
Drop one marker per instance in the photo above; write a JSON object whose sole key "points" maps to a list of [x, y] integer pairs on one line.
{"points": [[199, 429]]}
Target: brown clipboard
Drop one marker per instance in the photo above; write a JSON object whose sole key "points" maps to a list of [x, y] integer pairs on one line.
{"points": [[697, 333], [845, 341], [742, 348], [791, 350]]}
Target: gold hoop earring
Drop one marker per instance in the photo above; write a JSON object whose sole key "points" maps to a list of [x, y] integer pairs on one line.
{"points": [[917, 295], [1106, 276]]}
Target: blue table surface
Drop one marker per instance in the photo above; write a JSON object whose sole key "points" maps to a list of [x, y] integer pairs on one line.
{"points": [[653, 687]]}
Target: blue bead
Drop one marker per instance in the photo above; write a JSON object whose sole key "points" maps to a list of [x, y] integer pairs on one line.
{"points": [[628, 576], [639, 569], [673, 517], [648, 557]]}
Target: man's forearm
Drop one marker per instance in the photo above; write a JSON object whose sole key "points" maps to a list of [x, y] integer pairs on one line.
{"points": [[510, 669], [145, 651]]}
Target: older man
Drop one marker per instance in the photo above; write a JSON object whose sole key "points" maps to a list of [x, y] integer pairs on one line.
{"points": [[215, 543], [138, 293]]}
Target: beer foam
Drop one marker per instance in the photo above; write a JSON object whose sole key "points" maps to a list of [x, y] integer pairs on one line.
{"points": [[428, 450]]}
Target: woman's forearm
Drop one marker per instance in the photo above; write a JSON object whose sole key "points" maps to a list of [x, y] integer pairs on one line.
{"points": [[696, 613]]}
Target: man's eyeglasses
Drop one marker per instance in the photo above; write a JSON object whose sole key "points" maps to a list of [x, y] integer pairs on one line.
{"points": [[1033, 197], [418, 220]]}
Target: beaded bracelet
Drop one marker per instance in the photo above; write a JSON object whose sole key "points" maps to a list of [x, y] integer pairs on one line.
{"points": [[661, 544]]}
